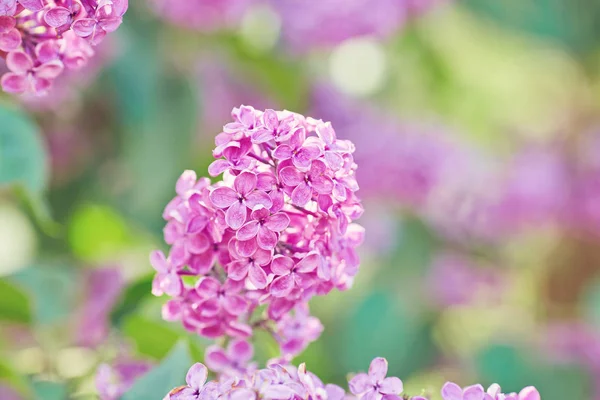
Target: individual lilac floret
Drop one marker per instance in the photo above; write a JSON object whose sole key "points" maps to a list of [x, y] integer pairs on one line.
{"points": [[375, 385]]}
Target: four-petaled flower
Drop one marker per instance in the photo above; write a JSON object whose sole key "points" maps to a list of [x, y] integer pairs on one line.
{"points": [[306, 183], [167, 280], [24, 76], [243, 195], [374, 385], [292, 275], [264, 227]]}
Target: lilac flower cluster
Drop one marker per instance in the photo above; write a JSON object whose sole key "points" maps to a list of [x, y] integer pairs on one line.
{"points": [[286, 382], [40, 39], [274, 232]]}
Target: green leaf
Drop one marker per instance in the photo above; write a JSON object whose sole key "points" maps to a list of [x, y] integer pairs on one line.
{"points": [[45, 390], [160, 380], [131, 299], [51, 291], [382, 326], [574, 24], [14, 303], [152, 338], [96, 232], [22, 157]]}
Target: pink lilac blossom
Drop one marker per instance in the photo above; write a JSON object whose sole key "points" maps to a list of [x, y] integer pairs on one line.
{"points": [[327, 23], [44, 38], [456, 280], [202, 15], [286, 382], [102, 288], [276, 230], [113, 381], [451, 391]]}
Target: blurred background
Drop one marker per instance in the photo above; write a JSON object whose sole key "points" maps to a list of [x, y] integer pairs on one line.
{"points": [[477, 127]]}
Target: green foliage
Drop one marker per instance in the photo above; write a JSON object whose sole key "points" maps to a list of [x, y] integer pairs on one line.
{"points": [[22, 157], [160, 380], [151, 338], [574, 24], [14, 303], [50, 290], [45, 390], [131, 299], [382, 326]]}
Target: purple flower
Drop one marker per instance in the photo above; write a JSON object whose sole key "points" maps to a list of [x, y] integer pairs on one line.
{"points": [[251, 267], [25, 77], [10, 38], [196, 390], [219, 296], [232, 362], [113, 381], [375, 385], [166, 281], [291, 274], [451, 391], [305, 184], [244, 195], [107, 17], [300, 150], [265, 227]]}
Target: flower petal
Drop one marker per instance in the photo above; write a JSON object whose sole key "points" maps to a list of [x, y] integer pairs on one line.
{"points": [[159, 261], [290, 176], [248, 231], [196, 376], [391, 385], [245, 183], [281, 265], [278, 222], [19, 62], [309, 263], [217, 167], [266, 238], [474, 392], [10, 40], [378, 368], [282, 152], [301, 194], [14, 83], [282, 286], [84, 27], [236, 215], [246, 248], [223, 197], [237, 270], [451, 391], [257, 276], [57, 16], [529, 393], [258, 198], [359, 384]]}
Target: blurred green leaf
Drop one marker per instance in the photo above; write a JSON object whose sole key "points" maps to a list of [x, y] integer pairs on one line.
{"points": [[50, 290], [49, 390], [514, 369], [381, 326], [9, 375], [156, 338], [22, 156], [97, 231], [413, 251], [14, 303], [574, 24], [160, 380], [131, 299], [157, 110]]}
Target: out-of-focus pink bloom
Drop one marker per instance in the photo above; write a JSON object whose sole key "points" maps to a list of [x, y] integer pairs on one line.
{"points": [[113, 381], [102, 290], [327, 23], [296, 331], [202, 15], [25, 77], [7, 393], [457, 280], [232, 362]]}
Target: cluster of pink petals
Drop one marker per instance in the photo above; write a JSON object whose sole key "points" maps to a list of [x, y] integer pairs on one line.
{"points": [[44, 38], [113, 381], [286, 382], [451, 391], [275, 231]]}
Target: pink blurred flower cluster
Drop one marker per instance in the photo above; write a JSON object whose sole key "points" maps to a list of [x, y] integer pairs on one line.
{"points": [[276, 230], [41, 39]]}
